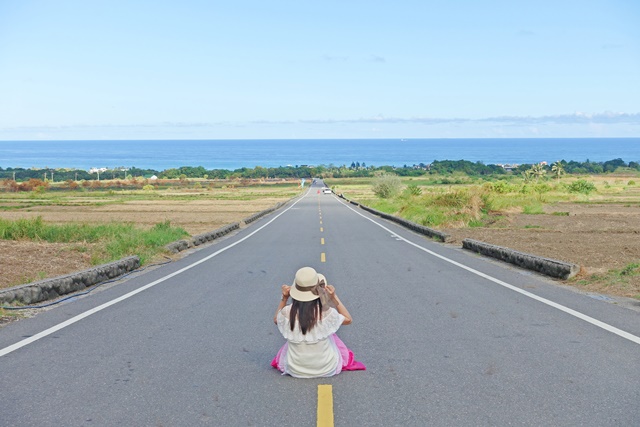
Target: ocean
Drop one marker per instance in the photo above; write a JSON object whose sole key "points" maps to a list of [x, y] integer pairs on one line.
{"points": [[234, 154]]}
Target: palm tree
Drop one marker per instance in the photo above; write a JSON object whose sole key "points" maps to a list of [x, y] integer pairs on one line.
{"points": [[538, 171], [526, 175], [558, 169]]}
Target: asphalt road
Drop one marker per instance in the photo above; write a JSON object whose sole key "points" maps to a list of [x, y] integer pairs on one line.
{"points": [[449, 338]]}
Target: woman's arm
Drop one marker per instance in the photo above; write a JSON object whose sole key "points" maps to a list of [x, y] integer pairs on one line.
{"points": [[283, 302], [339, 305]]}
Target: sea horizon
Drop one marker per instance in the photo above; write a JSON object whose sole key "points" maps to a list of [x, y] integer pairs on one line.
{"points": [[231, 154]]}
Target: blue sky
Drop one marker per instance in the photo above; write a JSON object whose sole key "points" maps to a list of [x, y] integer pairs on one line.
{"points": [[318, 69]]}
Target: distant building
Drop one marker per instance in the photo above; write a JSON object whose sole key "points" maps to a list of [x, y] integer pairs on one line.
{"points": [[508, 167]]}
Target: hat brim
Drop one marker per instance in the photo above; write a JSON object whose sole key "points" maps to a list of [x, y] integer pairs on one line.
{"points": [[302, 296]]}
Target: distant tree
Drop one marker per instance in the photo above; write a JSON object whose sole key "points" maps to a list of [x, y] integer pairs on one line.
{"points": [[612, 165], [557, 169], [538, 171], [527, 175]]}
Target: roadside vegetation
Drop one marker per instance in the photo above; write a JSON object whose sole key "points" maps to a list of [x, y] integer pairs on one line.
{"points": [[458, 200], [470, 204]]}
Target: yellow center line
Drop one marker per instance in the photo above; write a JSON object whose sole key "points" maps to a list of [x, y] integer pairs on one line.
{"points": [[321, 229], [323, 258], [325, 405], [322, 240]]}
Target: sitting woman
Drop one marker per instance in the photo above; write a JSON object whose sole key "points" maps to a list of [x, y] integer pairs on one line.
{"points": [[309, 325]]}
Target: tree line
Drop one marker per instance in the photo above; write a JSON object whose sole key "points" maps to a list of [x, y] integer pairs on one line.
{"points": [[356, 169]]}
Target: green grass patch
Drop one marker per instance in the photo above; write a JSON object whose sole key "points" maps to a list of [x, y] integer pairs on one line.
{"points": [[613, 277], [115, 240], [533, 209], [560, 213]]}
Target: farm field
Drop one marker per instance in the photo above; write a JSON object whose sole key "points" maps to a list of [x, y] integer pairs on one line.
{"points": [[193, 208]]}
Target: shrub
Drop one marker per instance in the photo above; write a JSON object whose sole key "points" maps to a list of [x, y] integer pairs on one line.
{"points": [[148, 187], [542, 188], [33, 184], [501, 187], [581, 186], [386, 185], [71, 184], [433, 218], [453, 199], [413, 190]]}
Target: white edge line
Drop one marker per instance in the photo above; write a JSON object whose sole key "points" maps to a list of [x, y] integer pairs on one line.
{"points": [[79, 317], [550, 303]]}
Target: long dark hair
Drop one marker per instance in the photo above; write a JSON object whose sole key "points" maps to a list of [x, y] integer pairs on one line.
{"points": [[308, 313]]}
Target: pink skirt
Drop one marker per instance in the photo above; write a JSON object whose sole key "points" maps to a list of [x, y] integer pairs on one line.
{"points": [[346, 356]]}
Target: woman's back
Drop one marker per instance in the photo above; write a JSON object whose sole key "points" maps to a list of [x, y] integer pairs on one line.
{"points": [[312, 354]]}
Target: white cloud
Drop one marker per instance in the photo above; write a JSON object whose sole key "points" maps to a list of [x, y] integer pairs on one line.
{"points": [[576, 124]]}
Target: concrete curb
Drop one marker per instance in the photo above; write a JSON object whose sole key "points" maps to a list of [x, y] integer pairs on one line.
{"points": [[550, 267], [182, 245], [259, 215], [43, 290], [200, 239], [430, 232]]}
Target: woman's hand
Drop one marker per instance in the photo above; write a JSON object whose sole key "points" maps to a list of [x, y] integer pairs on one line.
{"points": [[283, 302], [331, 290], [285, 291], [339, 306]]}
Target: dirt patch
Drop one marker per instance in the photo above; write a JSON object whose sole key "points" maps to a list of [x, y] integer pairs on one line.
{"points": [[27, 261], [599, 238]]}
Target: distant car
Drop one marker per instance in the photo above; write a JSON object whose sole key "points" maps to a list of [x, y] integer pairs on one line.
{"points": [[326, 191]]}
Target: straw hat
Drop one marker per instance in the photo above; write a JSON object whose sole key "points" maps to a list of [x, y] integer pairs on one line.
{"points": [[304, 287]]}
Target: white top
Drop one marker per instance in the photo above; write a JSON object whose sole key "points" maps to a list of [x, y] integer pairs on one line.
{"points": [[312, 354]]}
